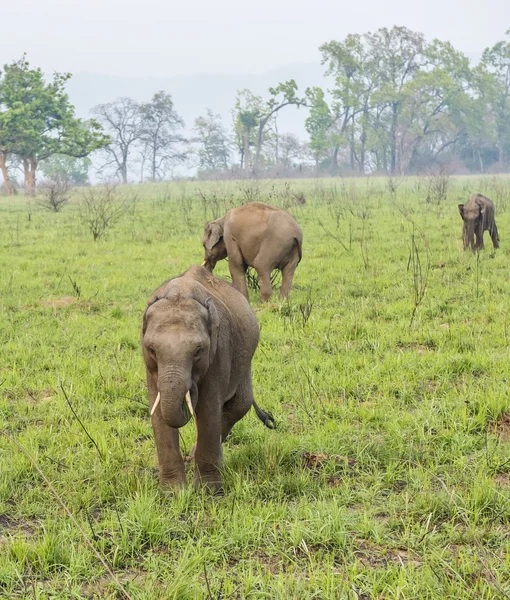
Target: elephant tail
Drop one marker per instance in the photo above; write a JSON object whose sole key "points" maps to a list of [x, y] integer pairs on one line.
{"points": [[299, 244], [266, 417]]}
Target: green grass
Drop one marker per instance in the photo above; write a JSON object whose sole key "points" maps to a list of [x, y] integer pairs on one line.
{"points": [[405, 490]]}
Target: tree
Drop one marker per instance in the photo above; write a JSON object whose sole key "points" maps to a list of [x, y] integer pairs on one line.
{"points": [[158, 126], [213, 152], [354, 68], [37, 121], [284, 94], [318, 124], [400, 54], [61, 168], [493, 87], [122, 120], [247, 111], [290, 149]]}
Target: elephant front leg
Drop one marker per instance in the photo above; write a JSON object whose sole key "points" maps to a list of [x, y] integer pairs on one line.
{"points": [[208, 450], [171, 463]]}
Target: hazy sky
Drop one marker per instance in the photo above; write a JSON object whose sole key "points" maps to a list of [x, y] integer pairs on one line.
{"points": [[163, 38]]}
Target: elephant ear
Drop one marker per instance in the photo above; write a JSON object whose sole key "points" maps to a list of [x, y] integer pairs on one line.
{"points": [[212, 235], [461, 210], [214, 328], [482, 206]]}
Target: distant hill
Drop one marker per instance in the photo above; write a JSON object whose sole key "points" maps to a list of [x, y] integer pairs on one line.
{"points": [[193, 94]]}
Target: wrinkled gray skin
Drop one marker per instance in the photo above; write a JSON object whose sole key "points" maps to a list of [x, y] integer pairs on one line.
{"points": [[198, 334], [478, 216], [255, 235]]}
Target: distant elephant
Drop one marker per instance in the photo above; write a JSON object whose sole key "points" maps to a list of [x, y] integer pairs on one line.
{"points": [[478, 216], [199, 335], [255, 235]]}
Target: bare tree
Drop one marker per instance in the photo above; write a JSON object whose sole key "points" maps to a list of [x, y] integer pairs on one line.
{"points": [[122, 120], [162, 145]]}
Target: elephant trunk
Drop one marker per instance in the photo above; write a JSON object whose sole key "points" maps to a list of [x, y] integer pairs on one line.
{"points": [[209, 264], [173, 388], [469, 234]]}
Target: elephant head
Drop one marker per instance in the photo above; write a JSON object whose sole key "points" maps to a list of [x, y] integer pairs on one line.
{"points": [[179, 338], [214, 244], [472, 214]]}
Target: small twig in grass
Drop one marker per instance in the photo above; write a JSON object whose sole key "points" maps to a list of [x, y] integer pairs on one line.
{"points": [[94, 536], [80, 422], [56, 462], [67, 510], [29, 567], [209, 592], [336, 238]]}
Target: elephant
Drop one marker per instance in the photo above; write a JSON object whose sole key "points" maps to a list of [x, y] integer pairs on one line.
{"points": [[478, 216], [255, 235], [198, 338]]}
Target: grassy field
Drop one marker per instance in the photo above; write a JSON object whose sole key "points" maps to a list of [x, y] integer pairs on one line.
{"points": [[387, 371]]}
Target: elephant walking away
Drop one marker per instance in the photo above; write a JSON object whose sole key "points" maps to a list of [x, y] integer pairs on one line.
{"points": [[255, 235], [478, 216], [199, 335]]}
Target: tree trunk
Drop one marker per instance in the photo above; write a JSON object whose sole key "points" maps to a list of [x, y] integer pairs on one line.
{"points": [[277, 158], [7, 180], [362, 152], [153, 169], [29, 169], [334, 160], [501, 150], [393, 138], [246, 152]]}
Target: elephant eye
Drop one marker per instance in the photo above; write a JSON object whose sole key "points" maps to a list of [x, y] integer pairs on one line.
{"points": [[152, 352], [198, 352]]}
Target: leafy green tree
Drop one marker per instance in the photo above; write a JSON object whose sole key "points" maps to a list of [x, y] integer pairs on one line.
{"points": [[66, 169], [318, 124], [37, 121], [354, 68], [493, 88], [213, 151], [158, 134], [247, 112], [284, 94]]}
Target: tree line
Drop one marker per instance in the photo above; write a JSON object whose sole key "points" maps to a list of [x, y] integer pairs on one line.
{"points": [[393, 103]]}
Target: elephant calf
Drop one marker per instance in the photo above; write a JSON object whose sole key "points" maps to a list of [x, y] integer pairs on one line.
{"points": [[199, 335], [255, 235], [478, 216]]}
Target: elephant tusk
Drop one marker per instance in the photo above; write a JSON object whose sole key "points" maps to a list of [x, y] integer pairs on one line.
{"points": [[204, 263], [188, 402], [155, 405]]}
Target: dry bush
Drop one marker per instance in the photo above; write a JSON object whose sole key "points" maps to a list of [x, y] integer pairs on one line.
{"points": [[54, 195], [102, 206]]}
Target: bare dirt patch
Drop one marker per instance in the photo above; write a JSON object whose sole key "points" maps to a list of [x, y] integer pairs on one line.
{"points": [[60, 303], [502, 427]]}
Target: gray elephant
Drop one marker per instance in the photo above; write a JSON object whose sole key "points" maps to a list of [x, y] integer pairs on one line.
{"points": [[478, 216], [255, 235], [199, 335]]}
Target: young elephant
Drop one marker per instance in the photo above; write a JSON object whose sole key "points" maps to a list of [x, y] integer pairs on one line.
{"points": [[198, 336], [255, 235], [478, 216]]}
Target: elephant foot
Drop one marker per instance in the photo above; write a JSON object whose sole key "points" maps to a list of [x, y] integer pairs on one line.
{"points": [[167, 480], [211, 481]]}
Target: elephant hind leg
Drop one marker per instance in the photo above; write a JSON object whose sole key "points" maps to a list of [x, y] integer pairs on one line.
{"points": [[237, 268], [494, 235], [288, 275], [235, 409]]}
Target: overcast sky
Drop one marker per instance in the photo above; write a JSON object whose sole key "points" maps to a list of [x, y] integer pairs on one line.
{"points": [[161, 38]]}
